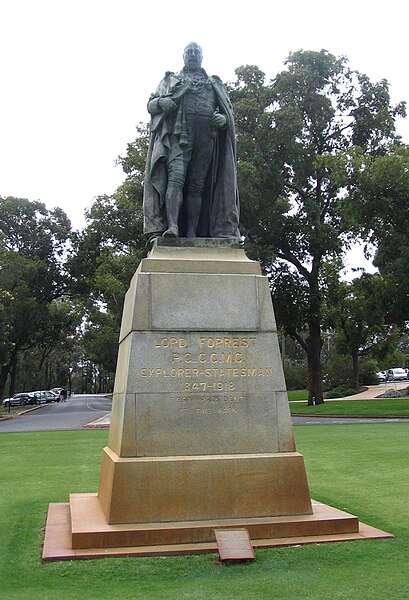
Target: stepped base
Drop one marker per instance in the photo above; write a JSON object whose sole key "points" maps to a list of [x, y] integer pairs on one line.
{"points": [[198, 488], [78, 530]]}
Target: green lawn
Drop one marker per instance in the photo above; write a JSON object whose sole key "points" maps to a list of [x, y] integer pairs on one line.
{"points": [[383, 407], [14, 410], [361, 468], [298, 395]]}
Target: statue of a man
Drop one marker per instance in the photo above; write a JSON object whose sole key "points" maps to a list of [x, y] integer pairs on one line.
{"points": [[190, 179]]}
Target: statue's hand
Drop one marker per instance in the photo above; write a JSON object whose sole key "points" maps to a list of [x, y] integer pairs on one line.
{"points": [[218, 120], [167, 104]]}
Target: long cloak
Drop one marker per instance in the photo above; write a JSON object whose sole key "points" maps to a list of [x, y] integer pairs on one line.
{"points": [[220, 203]]}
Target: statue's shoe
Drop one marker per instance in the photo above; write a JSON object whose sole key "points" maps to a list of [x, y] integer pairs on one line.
{"points": [[171, 232]]}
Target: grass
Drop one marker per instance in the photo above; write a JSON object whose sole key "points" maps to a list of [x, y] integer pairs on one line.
{"points": [[361, 468], [383, 407], [14, 410], [298, 395]]}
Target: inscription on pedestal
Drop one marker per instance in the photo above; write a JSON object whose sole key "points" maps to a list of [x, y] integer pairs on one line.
{"points": [[206, 364], [205, 393]]}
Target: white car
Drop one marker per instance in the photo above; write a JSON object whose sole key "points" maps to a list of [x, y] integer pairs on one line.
{"points": [[396, 374], [20, 399], [382, 376], [46, 396]]}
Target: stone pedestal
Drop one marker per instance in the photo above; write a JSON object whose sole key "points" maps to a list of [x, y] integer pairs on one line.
{"points": [[200, 424], [200, 433]]}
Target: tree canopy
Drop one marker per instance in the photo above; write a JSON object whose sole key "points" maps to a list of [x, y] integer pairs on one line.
{"points": [[379, 209], [295, 137], [107, 253], [33, 246]]}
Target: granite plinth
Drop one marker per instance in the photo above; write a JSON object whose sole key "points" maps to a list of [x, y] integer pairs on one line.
{"points": [[160, 489], [199, 389], [78, 530], [200, 434]]}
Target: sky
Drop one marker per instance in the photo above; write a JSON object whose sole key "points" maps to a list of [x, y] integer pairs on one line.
{"points": [[75, 75]]}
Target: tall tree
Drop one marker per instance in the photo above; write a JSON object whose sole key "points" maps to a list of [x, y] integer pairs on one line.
{"points": [[380, 192], [357, 313], [33, 244], [106, 255], [293, 138]]}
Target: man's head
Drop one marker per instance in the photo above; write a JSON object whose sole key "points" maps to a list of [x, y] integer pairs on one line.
{"points": [[192, 56]]}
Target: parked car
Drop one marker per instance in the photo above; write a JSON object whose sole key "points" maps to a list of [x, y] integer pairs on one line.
{"points": [[396, 374], [33, 399], [53, 396], [20, 399], [47, 396], [382, 376]]}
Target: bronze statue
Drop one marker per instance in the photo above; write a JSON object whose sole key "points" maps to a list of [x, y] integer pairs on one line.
{"points": [[190, 180]]}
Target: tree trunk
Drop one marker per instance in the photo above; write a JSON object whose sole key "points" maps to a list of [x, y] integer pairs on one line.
{"points": [[70, 381], [314, 342], [4, 373], [9, 368]]}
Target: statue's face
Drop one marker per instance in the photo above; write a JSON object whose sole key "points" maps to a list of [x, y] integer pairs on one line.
{"points": [[193, 56]]}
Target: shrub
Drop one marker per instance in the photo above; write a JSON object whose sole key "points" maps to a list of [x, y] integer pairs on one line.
{"points": [[296, 375], [367, 371], [338, 372], [340, 392]]}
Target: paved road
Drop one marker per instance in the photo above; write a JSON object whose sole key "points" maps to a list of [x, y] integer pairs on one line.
{"points": [[79, 410]]}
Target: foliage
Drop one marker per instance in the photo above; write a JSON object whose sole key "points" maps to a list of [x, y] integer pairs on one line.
{"points": [[35, 232], [294, 136], [290, 289], [341, 392], [357, 312], [104, 250], [296, 375], [49, 362], [5, 347], [107, 253], [33, 250], [100, 340], [338, 371], [380, 194], [367, 371]]}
